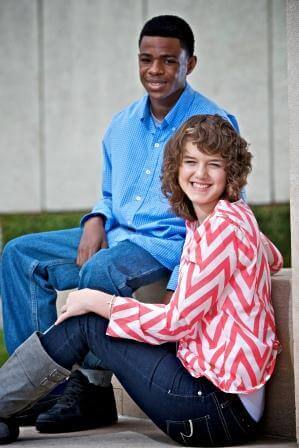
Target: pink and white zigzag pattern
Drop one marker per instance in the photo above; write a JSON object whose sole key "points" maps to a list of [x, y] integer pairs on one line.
{"points": [[221, 311]]}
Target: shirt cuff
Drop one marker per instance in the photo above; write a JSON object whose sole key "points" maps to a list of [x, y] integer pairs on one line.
{"points": [[173, 281], [117, 330], [91, 215]]}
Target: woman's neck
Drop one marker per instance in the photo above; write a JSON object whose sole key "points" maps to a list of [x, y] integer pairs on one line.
{"points": [[202, 211]]}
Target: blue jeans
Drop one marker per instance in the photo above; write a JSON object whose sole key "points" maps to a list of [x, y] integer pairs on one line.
{"points": [[35, 266], [192, 411]]}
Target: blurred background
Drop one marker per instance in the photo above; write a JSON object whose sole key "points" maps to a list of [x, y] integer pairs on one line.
{"points": [[68, 66]]}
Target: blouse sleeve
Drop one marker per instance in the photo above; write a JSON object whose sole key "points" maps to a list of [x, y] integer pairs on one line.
{"points": [[274, 257], [201, 283]]}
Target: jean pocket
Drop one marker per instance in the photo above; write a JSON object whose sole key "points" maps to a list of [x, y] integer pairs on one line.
{"points": [[185, 386], [193, 432], [241, 426]]}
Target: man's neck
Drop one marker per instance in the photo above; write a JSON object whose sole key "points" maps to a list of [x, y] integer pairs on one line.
{"points": [[160, 108]]}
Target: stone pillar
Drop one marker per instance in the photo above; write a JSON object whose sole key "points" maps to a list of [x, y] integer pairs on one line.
{"points": [[293, 101]]}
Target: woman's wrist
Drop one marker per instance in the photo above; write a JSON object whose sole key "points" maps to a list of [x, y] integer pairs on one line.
{"points": [[100, 303]]}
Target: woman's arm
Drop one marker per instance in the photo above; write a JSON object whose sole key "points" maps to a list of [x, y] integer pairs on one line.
{"points": [[274, 257], [200, 286]]}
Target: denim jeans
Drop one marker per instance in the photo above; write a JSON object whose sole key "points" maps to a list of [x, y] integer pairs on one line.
{"points": [[192, 411], [35, 266]]}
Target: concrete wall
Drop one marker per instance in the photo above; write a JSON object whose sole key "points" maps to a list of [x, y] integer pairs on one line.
{"points": [[67, 67], [293, 97]]}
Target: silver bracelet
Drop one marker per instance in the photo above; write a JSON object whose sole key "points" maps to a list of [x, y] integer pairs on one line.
{"points": [[111, 302]]}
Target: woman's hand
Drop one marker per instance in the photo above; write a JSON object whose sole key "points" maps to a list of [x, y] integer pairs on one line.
{"points": [[85, 301]]}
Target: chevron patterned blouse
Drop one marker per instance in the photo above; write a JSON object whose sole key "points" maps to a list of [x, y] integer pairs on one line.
{"points": [[221, 312]]}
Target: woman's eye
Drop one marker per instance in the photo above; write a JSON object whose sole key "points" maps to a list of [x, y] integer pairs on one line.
{"points": [[189, 162]]}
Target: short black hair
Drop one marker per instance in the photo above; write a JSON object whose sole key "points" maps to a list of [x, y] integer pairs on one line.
{"points": [[170, 26]]}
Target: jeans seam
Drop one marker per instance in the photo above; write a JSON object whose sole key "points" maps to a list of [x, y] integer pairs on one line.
{"points": [[32, 287], [150, 271], [33, 295], [222, 418]]}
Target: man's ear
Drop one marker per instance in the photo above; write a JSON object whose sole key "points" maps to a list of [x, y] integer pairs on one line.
{"points": [[192, 61]]}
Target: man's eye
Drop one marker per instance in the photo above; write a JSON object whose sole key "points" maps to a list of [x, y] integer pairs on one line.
{"points": [[215, 164], [170, 61], [144, 60]]}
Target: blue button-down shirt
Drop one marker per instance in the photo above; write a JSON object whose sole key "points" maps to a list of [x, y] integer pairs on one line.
{"points": [[132, 202]]}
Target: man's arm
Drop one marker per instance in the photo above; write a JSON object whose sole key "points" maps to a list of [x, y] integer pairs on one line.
{"points": [[100, 218]]}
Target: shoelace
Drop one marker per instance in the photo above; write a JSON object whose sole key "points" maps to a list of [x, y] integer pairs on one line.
{"points": [[75, 387]]}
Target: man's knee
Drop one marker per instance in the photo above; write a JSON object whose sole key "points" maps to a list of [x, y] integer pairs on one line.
{"points": [[15, 246], [99, 272]]}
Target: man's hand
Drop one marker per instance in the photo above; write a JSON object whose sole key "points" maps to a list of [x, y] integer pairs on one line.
{"points": [[167, 296], [93, 239]]}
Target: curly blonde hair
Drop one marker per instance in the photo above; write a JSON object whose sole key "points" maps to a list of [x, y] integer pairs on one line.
{"points": [[212, 134]]}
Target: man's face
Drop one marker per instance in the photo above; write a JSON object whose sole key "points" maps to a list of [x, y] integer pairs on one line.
{"points": [[163, 67]]}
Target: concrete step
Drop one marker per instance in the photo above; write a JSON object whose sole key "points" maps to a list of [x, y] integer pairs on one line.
{"points": [[129, 432]]}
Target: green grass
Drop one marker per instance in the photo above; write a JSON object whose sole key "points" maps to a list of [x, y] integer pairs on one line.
{"points": [[3, 353], [19, 224], [274, 221]]}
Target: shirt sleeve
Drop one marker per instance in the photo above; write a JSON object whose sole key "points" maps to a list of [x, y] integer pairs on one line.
{"points": [[201, 283], [173, 281], [274, 257], [104, 206]]}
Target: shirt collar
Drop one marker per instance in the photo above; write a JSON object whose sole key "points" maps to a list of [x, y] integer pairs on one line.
{"points": [[174, 116], [223, 206]]}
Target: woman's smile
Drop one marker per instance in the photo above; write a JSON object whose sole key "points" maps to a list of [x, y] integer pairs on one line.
{"points": [[202, 177]]}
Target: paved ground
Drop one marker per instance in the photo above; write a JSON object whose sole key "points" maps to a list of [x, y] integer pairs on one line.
{"points": [[128, 433]]}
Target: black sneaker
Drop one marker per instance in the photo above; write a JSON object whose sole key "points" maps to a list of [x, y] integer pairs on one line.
{"points": [[29, 416], [82, 406], [9, 431]]}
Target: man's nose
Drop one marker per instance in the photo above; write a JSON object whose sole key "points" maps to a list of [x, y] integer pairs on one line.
{"points": [[156, 67]]}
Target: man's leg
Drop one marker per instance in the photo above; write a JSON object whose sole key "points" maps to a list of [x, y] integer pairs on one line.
{"points": [[32, 268], [118, 270]]}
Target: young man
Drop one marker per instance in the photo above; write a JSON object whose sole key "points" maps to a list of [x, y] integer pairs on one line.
{"points": [[130, 238]]}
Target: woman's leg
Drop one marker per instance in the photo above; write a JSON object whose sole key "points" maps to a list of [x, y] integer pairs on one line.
{"points": [[191, 411]]}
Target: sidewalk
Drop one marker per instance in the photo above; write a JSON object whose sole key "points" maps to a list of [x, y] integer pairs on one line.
{"points": [[130, 432]]}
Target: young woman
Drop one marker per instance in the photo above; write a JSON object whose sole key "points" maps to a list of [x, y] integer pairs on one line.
{"points": [[198, 365]]}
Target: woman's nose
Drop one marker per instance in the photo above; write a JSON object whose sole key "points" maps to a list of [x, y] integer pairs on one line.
{"points": [[201, 171]]}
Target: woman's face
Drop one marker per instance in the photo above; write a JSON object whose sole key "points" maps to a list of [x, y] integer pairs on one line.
{"points": [[202, 178]]}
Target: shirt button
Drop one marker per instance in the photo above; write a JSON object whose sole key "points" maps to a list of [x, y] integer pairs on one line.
{"points": [[138, 198], [173, 129], [199, 393], [148, 172], [156, 145], [129, 222]]}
